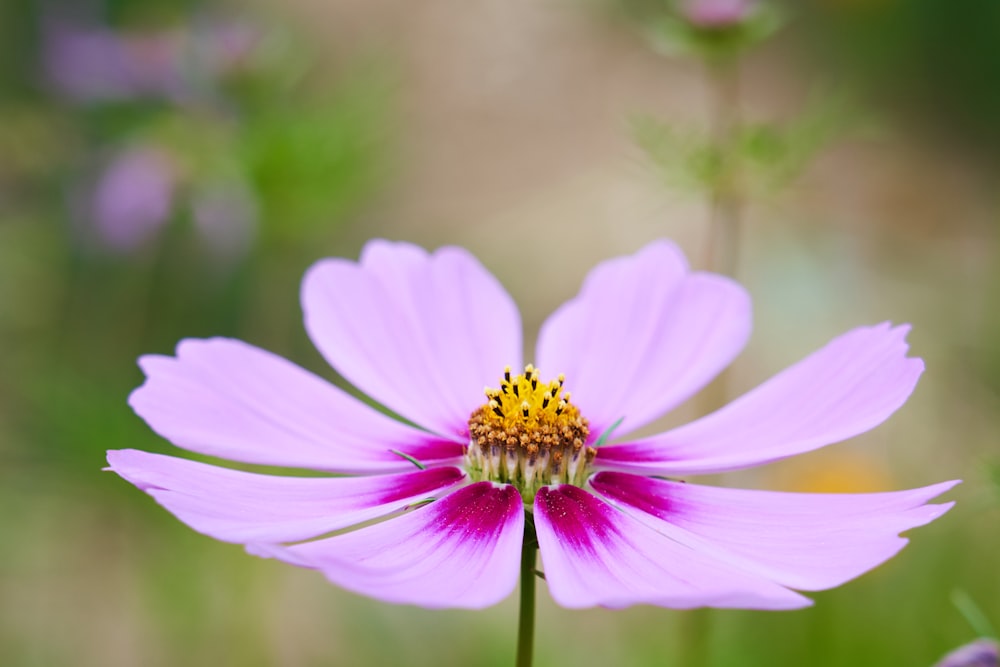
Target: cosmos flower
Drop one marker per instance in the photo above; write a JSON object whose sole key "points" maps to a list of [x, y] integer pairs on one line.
{"points": [[133, 197], [90, 63], [139, 191], [980, 653], [716, 14], [439, 503]]}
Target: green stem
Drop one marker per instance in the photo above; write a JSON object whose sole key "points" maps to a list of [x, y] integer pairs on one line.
{"points": [[526, 616], [722, 256], [695, 633], [726, 205]]}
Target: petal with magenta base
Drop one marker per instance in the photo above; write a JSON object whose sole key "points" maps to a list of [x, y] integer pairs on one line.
{"points": [[808, 541], [238, 506], [595, 554], [460, 551]]}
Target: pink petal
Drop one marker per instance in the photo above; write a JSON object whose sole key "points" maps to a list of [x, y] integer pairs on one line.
{"points": [[982, 652], [846, 388], [643, 335], [237, 506], [809, 541], [422, 334], [597, 555], [226, 398], [460, 551]]}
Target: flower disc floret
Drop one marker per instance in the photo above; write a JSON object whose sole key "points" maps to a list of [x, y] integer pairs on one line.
{"points": [[528, 434]]}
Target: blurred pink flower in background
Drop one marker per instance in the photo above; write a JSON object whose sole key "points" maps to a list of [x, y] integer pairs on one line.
{"points": [[225, 217], [92, 63], [224, 47], [133, 198], [715, 14], [421, 334], [142, 188], [980, 653], [145, 184]]}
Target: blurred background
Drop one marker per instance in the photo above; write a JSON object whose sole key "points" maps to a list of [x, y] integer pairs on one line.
{"points": [[170, 169]]}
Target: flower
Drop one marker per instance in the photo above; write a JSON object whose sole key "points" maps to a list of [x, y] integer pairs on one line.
{"points": [[90, 63], [716, 14], [87, 62], [421, 333], [137, 193], [133, 197], [980, 653], [225, 217]]}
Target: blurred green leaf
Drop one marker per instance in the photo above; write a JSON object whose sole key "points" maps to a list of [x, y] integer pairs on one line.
{"points": [[312, 164], [759, 158], [972, 613]]}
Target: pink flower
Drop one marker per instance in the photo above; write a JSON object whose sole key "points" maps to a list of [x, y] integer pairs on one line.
{"points": [[980, 653], [91, 63], [133, 197], [421, 334], [715, 14]]}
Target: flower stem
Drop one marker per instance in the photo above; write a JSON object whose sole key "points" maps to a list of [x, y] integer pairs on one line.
{"points": [[526, 615], [726, 207], [722, 256], [695, 633]]}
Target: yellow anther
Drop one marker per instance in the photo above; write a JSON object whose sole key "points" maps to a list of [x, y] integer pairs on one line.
{"points": [[542, 432]]}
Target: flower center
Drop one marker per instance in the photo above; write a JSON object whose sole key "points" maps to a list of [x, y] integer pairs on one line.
{"points": [[528, 434]]}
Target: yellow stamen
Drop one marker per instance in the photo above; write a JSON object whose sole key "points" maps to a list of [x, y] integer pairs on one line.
{"points": [[529, 434]]}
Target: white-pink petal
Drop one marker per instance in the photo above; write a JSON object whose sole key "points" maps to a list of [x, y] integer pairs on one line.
{"points": [[808, 541], [420, 333], [849, 386], [460, 551], [225, 398], [643, 335], [595, 554], [237, 506]]}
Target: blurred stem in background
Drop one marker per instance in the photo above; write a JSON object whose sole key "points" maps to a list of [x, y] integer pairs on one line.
{"points": [[717, 34], [732, 160], [722, 255], [723, 244]]}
